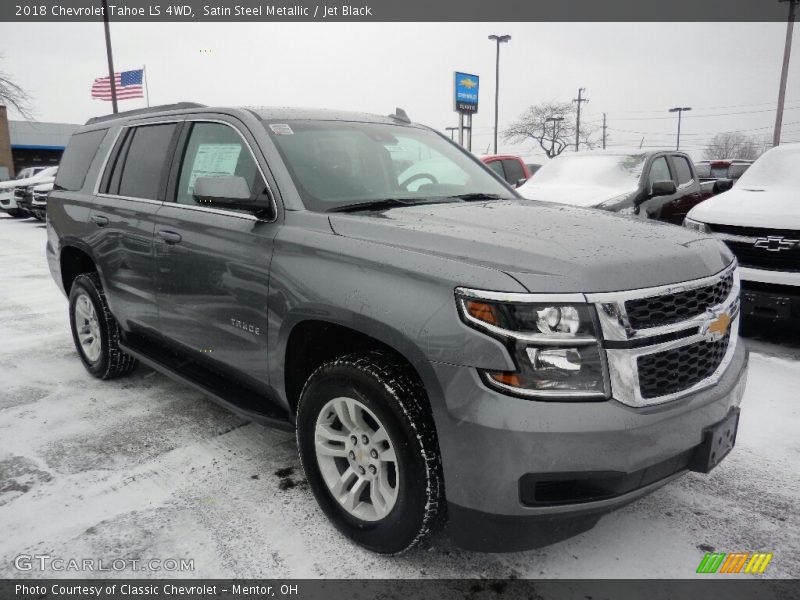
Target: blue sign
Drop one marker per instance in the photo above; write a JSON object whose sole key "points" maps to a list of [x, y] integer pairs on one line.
{"points": [[466, 92]]}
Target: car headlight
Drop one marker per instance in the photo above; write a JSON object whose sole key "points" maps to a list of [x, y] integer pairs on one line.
{"points": [[555, 346], [696, 225]]}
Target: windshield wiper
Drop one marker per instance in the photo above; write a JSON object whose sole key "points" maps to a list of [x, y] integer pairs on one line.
{"points": [[478, 196], [385, 203]]}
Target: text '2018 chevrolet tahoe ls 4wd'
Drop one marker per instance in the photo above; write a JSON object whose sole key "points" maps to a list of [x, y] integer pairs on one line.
{"points": [[445, 350]]}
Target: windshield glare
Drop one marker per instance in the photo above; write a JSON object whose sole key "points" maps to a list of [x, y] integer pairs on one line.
{"points": [[339, 163], [605, 170], [776, 168]]}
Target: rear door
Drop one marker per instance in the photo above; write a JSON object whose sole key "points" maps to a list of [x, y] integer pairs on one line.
{"points": [[123, 216], [213, 263]]}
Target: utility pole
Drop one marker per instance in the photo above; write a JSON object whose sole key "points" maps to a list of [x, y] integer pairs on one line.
{"points": [[776, 136], [451, 130], [579, 100], [604, 131], [500, 39], [110, 57], [680, 110]]}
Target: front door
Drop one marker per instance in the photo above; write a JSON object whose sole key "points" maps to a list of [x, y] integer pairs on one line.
{"points": [[213, 264]]}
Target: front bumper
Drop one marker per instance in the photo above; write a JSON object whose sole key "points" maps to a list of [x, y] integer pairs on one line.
{"points": [[7, 202], [771, 295], [491, 444]]}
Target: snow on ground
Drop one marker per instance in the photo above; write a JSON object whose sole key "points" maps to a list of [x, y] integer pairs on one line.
{"points": [[143, 467]]}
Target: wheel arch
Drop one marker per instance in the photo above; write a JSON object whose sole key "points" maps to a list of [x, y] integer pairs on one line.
{"points": [[74, 259]]}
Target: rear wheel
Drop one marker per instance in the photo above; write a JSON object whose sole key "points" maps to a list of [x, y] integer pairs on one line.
{"points": [[368, 446], [16, 213], [95, 330]]}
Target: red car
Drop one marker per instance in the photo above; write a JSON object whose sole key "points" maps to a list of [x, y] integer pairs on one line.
{"points": [[511, 168]]}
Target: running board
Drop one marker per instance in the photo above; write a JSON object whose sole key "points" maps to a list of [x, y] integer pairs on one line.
{"points": [[238, 399]]}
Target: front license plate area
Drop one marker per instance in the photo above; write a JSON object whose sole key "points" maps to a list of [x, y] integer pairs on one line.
{"points": [[718, 441], [766, 306]]}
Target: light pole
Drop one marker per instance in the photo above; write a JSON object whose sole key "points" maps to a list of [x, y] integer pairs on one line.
{"points": [[787, 50], [500, 39], [451, 130], [680, 110], [553, 120]]}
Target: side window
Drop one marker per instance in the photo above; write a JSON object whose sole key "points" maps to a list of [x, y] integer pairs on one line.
{"points": [[77, 157], [514, 171], [659, 170], [215, 150], [497, 167], [683, 170], [141, 162]]}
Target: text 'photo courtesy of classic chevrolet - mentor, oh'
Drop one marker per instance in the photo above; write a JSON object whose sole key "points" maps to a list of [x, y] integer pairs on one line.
{"points": [[448, 352]]}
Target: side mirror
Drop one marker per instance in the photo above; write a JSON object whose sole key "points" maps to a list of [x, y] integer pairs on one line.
{"points": [[663, 188], [226, 191], [722, 185], [520, 181]]}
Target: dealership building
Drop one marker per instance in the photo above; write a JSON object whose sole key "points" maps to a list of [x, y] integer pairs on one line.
{"points": [[30, 143]]}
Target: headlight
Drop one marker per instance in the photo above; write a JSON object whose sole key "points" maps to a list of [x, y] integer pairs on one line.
{"points": [[555, 346], [696, 225]]}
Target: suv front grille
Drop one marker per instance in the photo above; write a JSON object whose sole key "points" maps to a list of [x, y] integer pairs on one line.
{"points": [[761, 258], [656, 311], [679, 369]]}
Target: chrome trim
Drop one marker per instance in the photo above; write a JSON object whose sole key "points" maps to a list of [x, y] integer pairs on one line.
{"points": [[218, 211], [614, 319], [130, 198], [732, 237], [571, 298]]}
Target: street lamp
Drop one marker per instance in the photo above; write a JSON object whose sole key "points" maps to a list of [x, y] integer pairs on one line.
{"points": [[500, 39], [680, 110], [553, 120]]}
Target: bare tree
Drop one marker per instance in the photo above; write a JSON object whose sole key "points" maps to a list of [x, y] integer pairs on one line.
{"points": [[732, 145], [552, 136], [12, 94]]}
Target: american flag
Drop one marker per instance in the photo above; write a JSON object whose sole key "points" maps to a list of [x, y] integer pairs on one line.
{"points": [[128, 84]]}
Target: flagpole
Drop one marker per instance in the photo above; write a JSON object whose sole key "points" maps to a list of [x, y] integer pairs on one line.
{"points": [[110, 57], [146, 85]]}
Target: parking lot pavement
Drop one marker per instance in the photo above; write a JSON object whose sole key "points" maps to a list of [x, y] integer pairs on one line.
{"points": [[144, 468]]}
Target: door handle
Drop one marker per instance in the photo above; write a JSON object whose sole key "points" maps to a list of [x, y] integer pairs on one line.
{"points": [[100, 220], [169, 237]]}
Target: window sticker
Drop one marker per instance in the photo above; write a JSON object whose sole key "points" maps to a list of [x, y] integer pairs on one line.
{"points": [[281, 129], [214, 160]]}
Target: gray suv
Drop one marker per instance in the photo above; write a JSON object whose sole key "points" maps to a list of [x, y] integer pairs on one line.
{"points": [[446, 351]]}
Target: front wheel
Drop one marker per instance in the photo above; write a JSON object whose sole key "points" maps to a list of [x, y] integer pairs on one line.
{"points": [[368, 446]]}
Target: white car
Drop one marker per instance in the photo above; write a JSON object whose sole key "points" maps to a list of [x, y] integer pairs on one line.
{"points": [[39, 201], [759, 220], [13, 189]]}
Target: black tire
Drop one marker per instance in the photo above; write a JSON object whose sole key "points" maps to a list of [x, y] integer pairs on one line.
{"points": [[393, 392], [112, 361], [16, 213]]}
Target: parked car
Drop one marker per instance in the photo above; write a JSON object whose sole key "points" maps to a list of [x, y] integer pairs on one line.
{"points": [[759, 220], [21, 190], [444, 351], [511, 168], [729, 168], [30, 175], [659, 185]]}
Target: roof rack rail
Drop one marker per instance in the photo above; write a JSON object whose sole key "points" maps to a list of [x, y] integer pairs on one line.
{"points": [[144, 111]]}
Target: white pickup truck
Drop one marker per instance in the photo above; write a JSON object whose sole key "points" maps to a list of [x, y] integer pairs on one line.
{"points": [[759, 220], [32, 176]]}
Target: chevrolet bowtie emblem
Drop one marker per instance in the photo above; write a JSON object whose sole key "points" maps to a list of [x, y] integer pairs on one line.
{"points": [[775, 243], [719, 326]]}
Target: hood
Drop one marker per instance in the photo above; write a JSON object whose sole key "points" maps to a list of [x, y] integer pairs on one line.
{"points": [[575, 195], [546, 247], [15, 183], [770, 207]]}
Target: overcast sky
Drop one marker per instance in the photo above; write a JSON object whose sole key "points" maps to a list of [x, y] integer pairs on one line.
{"points": [[632, 71]]}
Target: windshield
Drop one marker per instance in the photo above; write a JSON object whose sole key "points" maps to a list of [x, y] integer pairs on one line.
{"points": [[604, 170], [336, 164], [779, 167]]}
